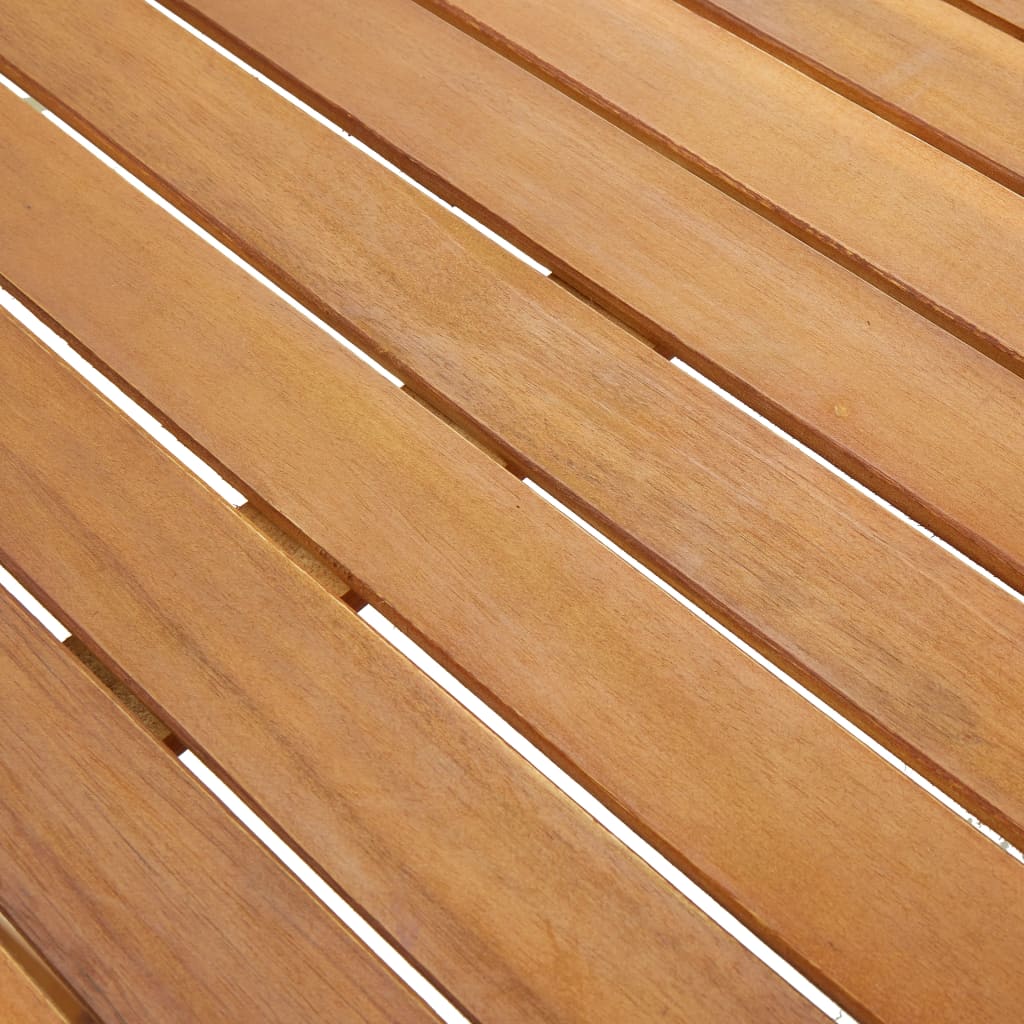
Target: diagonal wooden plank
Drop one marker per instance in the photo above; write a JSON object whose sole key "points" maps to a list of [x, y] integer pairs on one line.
{"points": [[929, 68], [843, 595], [888, 396], [518, 903], [1006, 15], [140, 891], [21, 1002], [25, 964], [799, 829], [916, 223]]}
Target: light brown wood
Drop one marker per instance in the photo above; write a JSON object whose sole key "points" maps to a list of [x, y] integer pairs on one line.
{"points": [[20, 1001], [881, 391], [144, 896], [915, 222], [310, 563], [52, 990], [1006, 15], [798, 828], [516, 901], [952, 80], [128, 699], [839, 592]]}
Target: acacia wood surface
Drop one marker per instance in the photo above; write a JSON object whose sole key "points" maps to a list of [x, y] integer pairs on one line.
{"points": [[909, 642], [21, 1002], [144, 896], [921, 418], [798, 828], [1006, 15], [54, 991], [513, 898], [936, 71], [916, 222]]}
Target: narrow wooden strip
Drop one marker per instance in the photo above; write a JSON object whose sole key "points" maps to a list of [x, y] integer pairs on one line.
{"points": [[53, 989], [325, 575], [1006, 15], [798, 828], [888, 396], [21, 1002], [845, 597], [512, 897], [131, 703], [930, 69], [139, 889], [939, 236]]}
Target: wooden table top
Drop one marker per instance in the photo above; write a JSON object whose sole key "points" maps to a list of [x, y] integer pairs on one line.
{"points": [[737, 286]]}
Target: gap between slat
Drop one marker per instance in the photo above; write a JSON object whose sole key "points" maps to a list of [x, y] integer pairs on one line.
{"points": [[361, 593], [323, 891], [342, 909], [600, 813], [37, 969], [821, 241], [982, 13], [483, 442], [823, 707], [853, 91]]}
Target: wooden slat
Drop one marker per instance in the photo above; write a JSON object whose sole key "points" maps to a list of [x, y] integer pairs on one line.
{"points": [[1006, 15], [512, 897], [809, 837], [883, 392], [141, 892], [20, 1001], [936, 71], [847, 598], [902, 417], [24, 961], [937, 234]]}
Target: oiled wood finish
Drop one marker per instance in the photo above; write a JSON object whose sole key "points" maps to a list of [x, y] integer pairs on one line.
{"points": [[886, 394], [936, 71], [145, 897], [515, 900], [20, 1001], [797, 827], [942, 237], [53, 991], [1006, 15], [848, 598]]}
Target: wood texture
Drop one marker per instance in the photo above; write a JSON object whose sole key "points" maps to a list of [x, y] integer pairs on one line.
{"points": [[20, 1001], [1006, 15], [898, 402], [68, 1007], [846, 597], [881, 391], [517, 902], [798, 828], [952, 80], [937, 234], [144, 895]]}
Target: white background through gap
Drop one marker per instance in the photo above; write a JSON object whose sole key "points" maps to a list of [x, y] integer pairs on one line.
{"points": [[378, 622]]}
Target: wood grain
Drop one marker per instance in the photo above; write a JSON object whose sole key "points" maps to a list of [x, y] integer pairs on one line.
{"points": [[798, 828], [952, 80], [20, 1001], [514, 899], [1006, 15], [143, 894], [847, 598], [938, 235], [928, 423], [52, 989]]}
